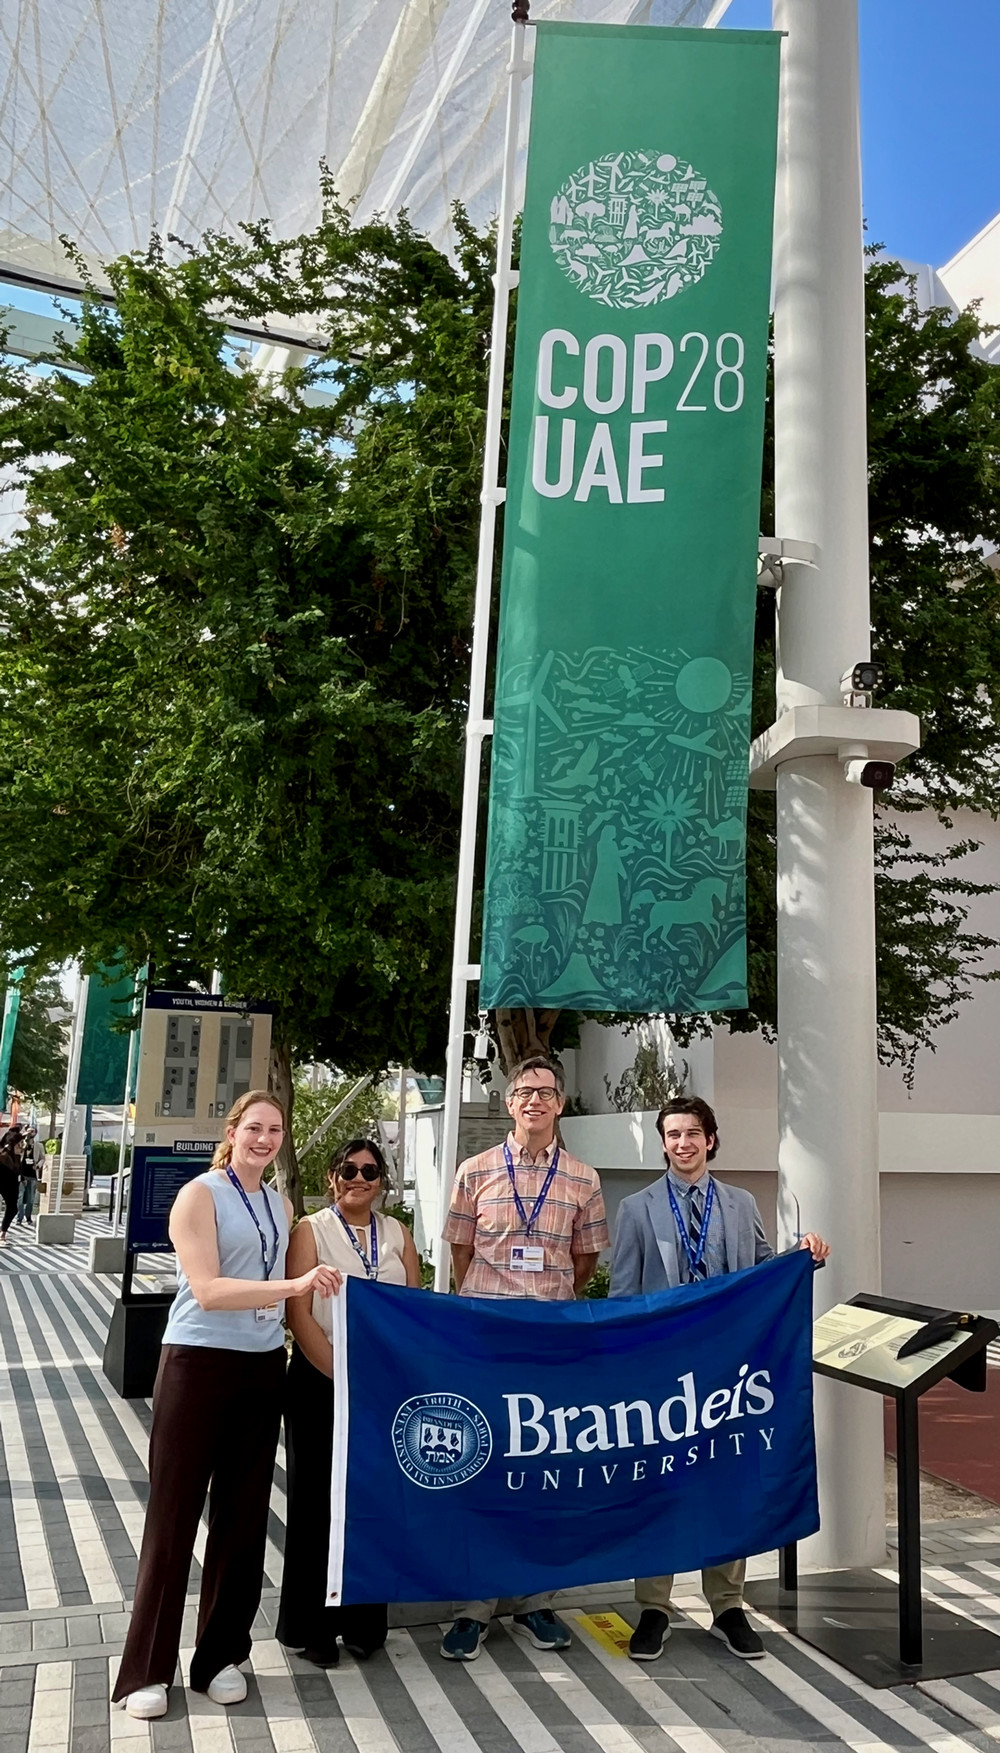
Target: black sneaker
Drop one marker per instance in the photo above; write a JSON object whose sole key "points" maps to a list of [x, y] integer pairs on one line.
{"points": [[649, 1636], [734, 1629], [362, 1652], [329, 1658]]}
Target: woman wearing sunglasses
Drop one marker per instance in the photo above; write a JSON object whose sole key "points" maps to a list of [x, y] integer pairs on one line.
{"points": [[359, 1242]]}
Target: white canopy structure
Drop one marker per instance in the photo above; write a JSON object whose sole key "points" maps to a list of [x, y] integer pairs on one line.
{"points": [[118, 117]]}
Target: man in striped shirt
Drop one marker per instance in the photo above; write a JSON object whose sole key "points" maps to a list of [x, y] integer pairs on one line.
{"points": [[526, 1219]]}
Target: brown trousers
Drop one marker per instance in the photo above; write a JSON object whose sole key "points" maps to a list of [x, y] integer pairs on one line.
{"points": [[216, 1416]]}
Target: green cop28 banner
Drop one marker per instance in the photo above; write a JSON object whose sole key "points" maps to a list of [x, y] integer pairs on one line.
{"points": [[615, 864]]}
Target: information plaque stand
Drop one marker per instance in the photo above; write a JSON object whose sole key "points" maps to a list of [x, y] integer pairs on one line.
{"points": [[860, 1619], [132, 1348]]}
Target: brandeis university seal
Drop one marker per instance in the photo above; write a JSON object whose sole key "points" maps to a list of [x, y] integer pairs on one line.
{"points": [[441, 1439]]}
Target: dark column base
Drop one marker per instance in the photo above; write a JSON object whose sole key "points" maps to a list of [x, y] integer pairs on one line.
{"points": [[853, 1617], [132, 1352]]}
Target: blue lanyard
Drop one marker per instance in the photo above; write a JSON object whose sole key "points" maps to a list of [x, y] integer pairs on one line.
{"points": [[268, 1269], [694, 1260], [370, 1260], [530, 1222]]}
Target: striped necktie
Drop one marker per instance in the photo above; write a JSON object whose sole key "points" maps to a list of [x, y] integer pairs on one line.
{"points": [[700, 1270]]}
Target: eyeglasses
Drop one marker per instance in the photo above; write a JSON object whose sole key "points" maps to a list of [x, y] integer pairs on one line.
{"points": [[350, 1170], [527, 1090]]}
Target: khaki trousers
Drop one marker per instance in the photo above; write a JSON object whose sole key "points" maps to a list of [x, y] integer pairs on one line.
{"points": [[484, 1610], [722, 1587]]}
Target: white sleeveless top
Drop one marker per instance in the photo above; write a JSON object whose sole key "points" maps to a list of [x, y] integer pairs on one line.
{"points": [[333, 1248]]}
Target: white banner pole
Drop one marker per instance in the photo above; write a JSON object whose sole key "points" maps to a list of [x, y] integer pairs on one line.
{"points": [[827, 1048], [120, 1179], [478, 727], [72, 1077]]}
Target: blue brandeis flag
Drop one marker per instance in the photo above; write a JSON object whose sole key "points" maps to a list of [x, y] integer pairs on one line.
{"points": [[502, 1447]]}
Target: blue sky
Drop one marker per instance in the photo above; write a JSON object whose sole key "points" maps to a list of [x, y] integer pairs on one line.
{"points": [[930, 119]]}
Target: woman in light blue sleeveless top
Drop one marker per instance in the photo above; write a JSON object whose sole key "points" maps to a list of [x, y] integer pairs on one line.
{"points": [[216, 1414]]}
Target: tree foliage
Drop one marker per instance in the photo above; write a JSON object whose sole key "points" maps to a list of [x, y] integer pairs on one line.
{"points": [[934, 513], [38, 1058], [238, 630], [239, 627], [358, 1120]]}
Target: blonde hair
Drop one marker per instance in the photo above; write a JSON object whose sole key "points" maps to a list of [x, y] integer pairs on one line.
{"points": [[224, 1149]]}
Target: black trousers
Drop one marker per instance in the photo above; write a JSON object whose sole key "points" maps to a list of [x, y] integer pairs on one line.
{"points": [[8, 1194], [216, 1418], [304, 1619]]}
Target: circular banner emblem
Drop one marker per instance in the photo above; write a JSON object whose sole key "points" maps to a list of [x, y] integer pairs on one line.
{"points": [[635, 228], [441, 1439]]}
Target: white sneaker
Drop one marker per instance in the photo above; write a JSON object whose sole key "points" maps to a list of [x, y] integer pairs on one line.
{"points": [[148, 1702], [229, 1687]]}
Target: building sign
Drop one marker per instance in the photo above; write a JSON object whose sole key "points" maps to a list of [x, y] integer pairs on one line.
{"points": [[197, 1055]]}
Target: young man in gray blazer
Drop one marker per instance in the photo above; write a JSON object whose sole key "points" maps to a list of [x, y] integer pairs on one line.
{"points": [[683, 1229]]}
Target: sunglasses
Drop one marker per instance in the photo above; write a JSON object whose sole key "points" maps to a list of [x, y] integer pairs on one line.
{"points": [[350, 1170]]}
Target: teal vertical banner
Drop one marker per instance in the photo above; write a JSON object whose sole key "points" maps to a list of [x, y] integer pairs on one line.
{"points": [[615, 874], [11, 1006], [104, 1051]]}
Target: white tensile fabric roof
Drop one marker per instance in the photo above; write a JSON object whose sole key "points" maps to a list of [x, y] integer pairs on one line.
{"points": [[121, 116]]}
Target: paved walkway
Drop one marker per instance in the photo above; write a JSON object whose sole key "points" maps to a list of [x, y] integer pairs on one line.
{"points": [[72, 1493]]}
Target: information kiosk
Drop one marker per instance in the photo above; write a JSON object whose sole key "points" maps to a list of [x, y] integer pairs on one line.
{"points": [[883, 1633], [197, 1054]]}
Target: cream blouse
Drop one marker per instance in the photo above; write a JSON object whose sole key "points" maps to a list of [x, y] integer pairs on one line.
{"points": [[334, 1249]]}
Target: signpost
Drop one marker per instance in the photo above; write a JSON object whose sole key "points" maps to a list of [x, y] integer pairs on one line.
{"points": [[198, 1053]]}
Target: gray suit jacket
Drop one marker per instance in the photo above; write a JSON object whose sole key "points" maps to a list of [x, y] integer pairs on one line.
{"points": [[647, 1248]]}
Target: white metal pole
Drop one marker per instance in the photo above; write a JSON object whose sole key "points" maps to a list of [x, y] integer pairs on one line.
{"points": [[123, 1145], [72, 1077], [827, 1094], [477, 727]]}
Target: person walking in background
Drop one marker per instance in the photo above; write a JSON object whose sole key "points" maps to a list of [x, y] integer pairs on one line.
{"points": [[526, 1220], [31, 1152], [10, 1168], [216, 1415], [358, 1242], [684, 1229]]}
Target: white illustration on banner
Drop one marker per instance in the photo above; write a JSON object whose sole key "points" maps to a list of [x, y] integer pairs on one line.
{"points": [[441, 1440], [635, 228]]}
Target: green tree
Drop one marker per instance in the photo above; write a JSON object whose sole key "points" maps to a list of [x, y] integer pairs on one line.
{"points": [[238, 634], [238, 638], [358, 1120], [38, 1060], [934, 505]]}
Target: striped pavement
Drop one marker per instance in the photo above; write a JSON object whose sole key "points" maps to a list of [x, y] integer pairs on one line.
{"points": [[72, 1494]]}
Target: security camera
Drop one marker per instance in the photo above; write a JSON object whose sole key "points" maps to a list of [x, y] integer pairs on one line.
{"points": [[859, 684], [877, 775]]}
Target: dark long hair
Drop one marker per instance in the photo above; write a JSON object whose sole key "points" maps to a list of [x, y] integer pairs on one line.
{"points": [[349, 1149]]}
